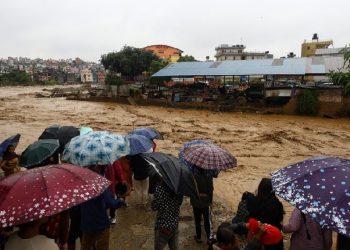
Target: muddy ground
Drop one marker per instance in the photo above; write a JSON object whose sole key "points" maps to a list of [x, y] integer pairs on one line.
{"points": [[261, 143]]}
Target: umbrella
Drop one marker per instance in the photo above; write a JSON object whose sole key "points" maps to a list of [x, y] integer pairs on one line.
{"points": [[174, 174], [38, 152], [139, 144], [150, 133], [208, 156], [13, 140], [191, 167], [41, 192], [98, 147], [85, 130], [320, 188], [64, 134], [50, 132]]}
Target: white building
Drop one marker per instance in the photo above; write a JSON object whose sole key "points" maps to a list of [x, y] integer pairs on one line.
{"points": [[236, 52], [86, 76]]}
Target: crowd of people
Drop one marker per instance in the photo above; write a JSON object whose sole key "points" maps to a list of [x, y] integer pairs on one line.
{"points": [[259, 216]]}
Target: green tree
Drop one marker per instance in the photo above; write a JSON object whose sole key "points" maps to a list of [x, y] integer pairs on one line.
{"points": [[129, 61], [155, 67], [187, 58], [308, 103], [15, 77], [342, 75]]}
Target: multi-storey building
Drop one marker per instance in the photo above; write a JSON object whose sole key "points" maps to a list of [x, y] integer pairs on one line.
{"points": [[165, 52], [236, 52], [308, 48]]}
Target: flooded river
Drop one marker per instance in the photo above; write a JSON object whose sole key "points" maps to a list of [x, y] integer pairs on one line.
{"points": [[261, 143]]}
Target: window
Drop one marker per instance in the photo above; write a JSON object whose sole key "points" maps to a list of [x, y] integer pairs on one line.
{"points": [[161, 52]]}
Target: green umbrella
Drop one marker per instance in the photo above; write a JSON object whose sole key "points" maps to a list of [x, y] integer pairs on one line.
{"points": [[38, 152]]}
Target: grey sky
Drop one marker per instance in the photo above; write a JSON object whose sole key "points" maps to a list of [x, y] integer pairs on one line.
{"points": [[87, 29]]}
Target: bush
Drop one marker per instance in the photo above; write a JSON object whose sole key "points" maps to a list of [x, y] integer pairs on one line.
{"points": [[308, 103]]}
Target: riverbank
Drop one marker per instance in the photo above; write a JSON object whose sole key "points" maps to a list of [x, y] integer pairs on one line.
{"points": [[261, 143]]}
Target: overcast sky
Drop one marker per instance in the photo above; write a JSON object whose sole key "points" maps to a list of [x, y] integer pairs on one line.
{"points": [[87, 29]]}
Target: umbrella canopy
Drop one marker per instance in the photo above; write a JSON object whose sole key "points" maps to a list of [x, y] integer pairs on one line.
{"points": [[98, 147], [150, 133], [85, 130], [13, 140], [139, 144], [41, 192], [50, 132], [175, 175], [210, 172], [209, 156], [62, 133], [320, 188], [65, 134], [38, 152]]}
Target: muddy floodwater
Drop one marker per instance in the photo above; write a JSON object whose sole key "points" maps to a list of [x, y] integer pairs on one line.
{"points": [[261, 144]]}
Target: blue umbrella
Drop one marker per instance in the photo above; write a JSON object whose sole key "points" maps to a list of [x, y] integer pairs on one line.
{"points": [[13, 140], [139, 144], [98, 147], [150, 133], [320, 188], [191, 167]]}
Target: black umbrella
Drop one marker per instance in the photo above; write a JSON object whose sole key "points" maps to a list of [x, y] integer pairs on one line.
{"points": [[175, 175], [64, 134]]}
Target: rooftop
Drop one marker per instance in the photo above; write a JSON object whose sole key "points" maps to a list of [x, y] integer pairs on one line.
{"points": [[282, 66]]}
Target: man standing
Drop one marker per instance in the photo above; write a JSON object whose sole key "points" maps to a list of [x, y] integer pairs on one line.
{"points": [[167, 204]]}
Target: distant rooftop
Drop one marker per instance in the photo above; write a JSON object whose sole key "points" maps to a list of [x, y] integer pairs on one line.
{"points": [[282, 66]]}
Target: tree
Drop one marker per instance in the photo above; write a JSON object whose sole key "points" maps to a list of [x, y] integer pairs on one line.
{"points": [[129, 61], [342, 75], [155, 67], [187, 58]]}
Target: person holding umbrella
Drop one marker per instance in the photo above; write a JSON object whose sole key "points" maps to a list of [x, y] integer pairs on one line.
{"points": [[205, 160], [10, 160], [30, 197], [167, 204], [28, 237], [306, 233], [95, 222], [201, 206]]}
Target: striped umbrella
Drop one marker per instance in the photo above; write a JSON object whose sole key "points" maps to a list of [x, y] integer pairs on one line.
{"points": [[208, 156]]}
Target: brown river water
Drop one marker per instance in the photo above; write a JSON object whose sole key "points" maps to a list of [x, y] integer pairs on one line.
{"points": [[261, 144]]}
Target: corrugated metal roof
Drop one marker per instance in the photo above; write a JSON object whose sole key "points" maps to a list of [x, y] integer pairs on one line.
{"points": [[285, 66]]}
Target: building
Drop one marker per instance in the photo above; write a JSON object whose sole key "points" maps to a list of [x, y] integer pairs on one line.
{"points": [[165, 52], [101, 77], [236, 52], [86, 76], [331, 51], [308, 48]]}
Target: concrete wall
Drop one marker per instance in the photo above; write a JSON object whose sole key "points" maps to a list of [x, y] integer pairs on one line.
{"points": [[331, 102]]}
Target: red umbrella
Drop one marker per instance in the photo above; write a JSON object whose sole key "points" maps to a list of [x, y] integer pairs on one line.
{"points": [[45, 191], [209, 156]]}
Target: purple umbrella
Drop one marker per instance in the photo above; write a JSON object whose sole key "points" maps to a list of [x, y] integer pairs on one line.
{"points": [[320, 188], [211, 172], [209, 156]]}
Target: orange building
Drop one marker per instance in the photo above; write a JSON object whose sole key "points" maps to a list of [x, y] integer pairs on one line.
{"points": [[165, 52]]}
